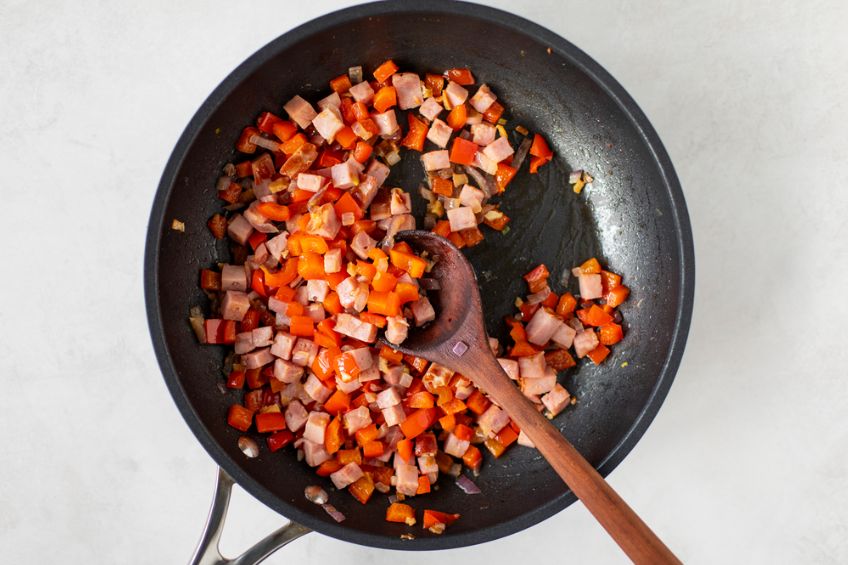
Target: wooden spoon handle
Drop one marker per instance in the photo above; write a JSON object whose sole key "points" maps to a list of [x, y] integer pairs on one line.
{"points": [[628, 530]]}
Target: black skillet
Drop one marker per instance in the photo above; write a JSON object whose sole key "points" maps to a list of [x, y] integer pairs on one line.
{"points": [[633, 217]]}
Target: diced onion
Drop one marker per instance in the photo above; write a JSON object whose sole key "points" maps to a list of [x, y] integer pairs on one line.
{"points": [[334, 514], [467, 485]]}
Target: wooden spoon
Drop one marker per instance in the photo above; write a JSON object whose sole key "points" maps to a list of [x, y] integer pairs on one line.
{"points": [[457, 339]]}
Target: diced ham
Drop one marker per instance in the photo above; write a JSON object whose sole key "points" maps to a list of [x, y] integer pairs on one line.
{"points": [[564, 335], [262, 337], [524, 440], [333, 261], [407, 477], [295, 415], [427, 464], [393, 374], [378, 170], [400, 202], [234, 305], [300, 111], [400, 223], [345, 175], [276, 245], [354, 327], [483, 134], [233, 277], [388, 398], [331, 101], [510, 367], [423, 311], [300, 295], [394, 415], [324, 222], [316, 389], [314, 453], [304, 352], [386, 122], [483, 98], [397, 329], [355, 420], [316, 425], [259, 222], [328, 123], [461, 218], [543, 325], [494, 345], [498, 150], [362, 357], [408, 87], [531, 387], [436, 377], [349, 386], [439, 133], [244, 342], [455, 446], [484, 163], [286, 371], [310, 182], [472, 198], [492, 420], [315, 311], [239, 229], [455, 93], [533, 366], [362, 92], [435, 160], [347, 475], [431, 108], [584, 342], [556, 400], [372, 373], [590, 287], [277, 305], [367, 189], [317, 290], [352, 293], [361, 244], [283, 345]]}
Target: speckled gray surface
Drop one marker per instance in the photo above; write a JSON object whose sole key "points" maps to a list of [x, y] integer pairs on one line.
{"points": [[746, 461]]}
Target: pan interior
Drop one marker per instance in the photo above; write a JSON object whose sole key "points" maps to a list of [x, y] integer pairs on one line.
{"points": [[626, 218]]}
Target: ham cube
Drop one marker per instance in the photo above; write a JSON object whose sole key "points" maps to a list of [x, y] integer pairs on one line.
{"points": [[483, 134], [328, 123], [315, 311], [244, 342], [472, 198], [286, 371], [456, 94], [317, 290], [436, 377], [362, 357], [354, 327], [316, 389], [314, 453], [361, 244], [333, 261], [394, 415], [564, 336], [455, 446], [367, 189], [427, 465], [372, 373], [344, 175], [484, 163], [296, 415], [439, 133], [347, 475], [355, 420], [233, 277], [378, 170], [510, 367], [584, 342], [262, 337], [532, 387], [400, 202], [324, 222], [362, 92], [304, 352], [300, 111], [498, 150], [436, 160], [524, 440], [533, 366], [423, 311], [310, 182], [590, 287], [316, 425], [386, 122], [543, 325], [556, 400], [408, 88], [276, 245], [283, 345], [331, 101], [483, 98], [239, 229], [234, 305], [461, 218], [388, 398], [407, 478], [431, 108], [350, 293], [397, 329], [492, 420]]}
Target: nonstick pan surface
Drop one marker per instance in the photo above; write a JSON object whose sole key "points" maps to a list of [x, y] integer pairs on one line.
{"points": [[633, 218]]}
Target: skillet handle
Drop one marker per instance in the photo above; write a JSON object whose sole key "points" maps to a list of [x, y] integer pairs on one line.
{"points": [[208, 552]]}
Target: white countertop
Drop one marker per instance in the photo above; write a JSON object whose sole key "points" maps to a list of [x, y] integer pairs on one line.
{"points": [[747, 462]]}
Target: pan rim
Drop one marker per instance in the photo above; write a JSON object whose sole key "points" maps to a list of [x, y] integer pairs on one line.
{"points": [[611, 87]]}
